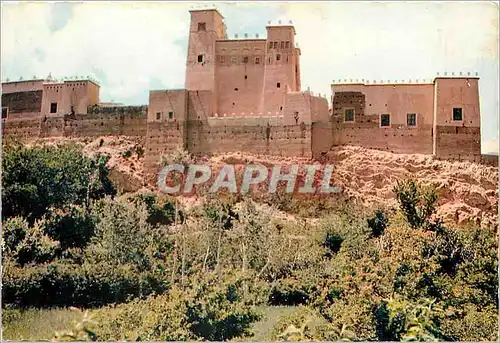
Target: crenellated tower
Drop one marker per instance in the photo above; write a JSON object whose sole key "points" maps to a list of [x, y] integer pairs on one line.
{"points": [[205, 28], [282, 66]]}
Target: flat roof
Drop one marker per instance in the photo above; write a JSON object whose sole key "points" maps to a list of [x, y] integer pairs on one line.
{"points": [[240, 40], [206, 10]]}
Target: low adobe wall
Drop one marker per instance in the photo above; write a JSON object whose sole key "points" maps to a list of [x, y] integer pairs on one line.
{"points": [[460, 143], [21, 129], [288, 140], [127, 121]]}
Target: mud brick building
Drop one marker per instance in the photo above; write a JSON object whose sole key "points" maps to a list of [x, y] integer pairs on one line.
{"points": [[244, 94]]}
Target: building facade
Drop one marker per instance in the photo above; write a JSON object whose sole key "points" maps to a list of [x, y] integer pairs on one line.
{"points": [[244, 94]]}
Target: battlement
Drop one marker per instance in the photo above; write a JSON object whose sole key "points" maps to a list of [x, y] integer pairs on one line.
{"points": [[245, 95]]}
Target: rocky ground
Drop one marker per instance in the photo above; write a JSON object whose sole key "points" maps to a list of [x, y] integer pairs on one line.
{"points": [[467, 191]]}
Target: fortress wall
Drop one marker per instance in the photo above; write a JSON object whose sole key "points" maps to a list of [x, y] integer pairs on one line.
{"points": [[21, 129], [454, 142], [300, 103], [319, 110], [164, 102], [366, 132], [162, 138], [200, 105], [321, 138], [289, 140], [130, 122], [457, 92], [245, 121]]}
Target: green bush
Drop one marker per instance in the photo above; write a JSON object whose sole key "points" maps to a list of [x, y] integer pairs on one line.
{"points": [[87, 285], [35, 179], [417, 202]]}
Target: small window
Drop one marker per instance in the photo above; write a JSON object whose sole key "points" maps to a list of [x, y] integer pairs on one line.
{"points": [[385, 120], [246, 77], [233, 60], [282, 45], [257, 60], [200, 58], [245, 59], [287, 45], [457, 113], [202, 27], [158, 115], [411, 119], [53, 107], [349, 114], [270, 45], [275, 45], [278, 57], [170, 115], [278, 85], [222, 59], [5, 112]]}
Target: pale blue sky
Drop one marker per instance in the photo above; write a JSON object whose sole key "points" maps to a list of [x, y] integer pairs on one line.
{"points": [[134, 47]]}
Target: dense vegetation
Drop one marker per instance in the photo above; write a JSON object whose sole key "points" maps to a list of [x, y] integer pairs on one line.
{"points": [[148, 269]]}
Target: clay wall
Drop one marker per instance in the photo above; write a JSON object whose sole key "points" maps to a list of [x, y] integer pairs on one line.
{"points": [[127, 121], [246, 121], [240, 76], [21, 129], [289, 140], [55, 93], [167, 105], [200, 75], [297, 104], [161, 138], [455, 142], [457, 93], [200, 105], [22, 86], [23, 104]]}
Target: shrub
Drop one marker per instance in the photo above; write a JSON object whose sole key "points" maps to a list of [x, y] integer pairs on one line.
{"points": [[378, 223], [35, 179], [73, 228], [417, 202]]}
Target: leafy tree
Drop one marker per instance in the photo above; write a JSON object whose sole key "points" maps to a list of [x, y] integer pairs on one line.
{"points": [[35, 179]]}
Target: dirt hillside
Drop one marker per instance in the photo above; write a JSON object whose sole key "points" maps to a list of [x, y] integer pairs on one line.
{"points": [[467, 191]]}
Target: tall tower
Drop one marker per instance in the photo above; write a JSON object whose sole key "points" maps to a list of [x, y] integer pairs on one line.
{"points": [[206, 27], [282, 63]]}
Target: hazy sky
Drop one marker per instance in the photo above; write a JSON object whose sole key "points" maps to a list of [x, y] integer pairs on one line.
{"points": [[134, 47]]}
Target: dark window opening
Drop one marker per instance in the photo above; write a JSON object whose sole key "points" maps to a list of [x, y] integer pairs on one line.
{"points": [[278, 57], [257, 60], [222, 59], [233, 103], [457, 113], [349, 114], [278, 85], [236, 89], [411, 119], [275, 45], [282, 45], [202, 27], [246, 77], [53, 107], [296, 117], [270, 46], [287, 45], [170, 115], [281, 108], [245, 59], [385, 120], [200, 58], [5, 112], [158, 115]]}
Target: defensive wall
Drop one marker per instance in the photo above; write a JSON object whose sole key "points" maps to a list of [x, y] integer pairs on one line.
{"points": [[244, 94]]}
